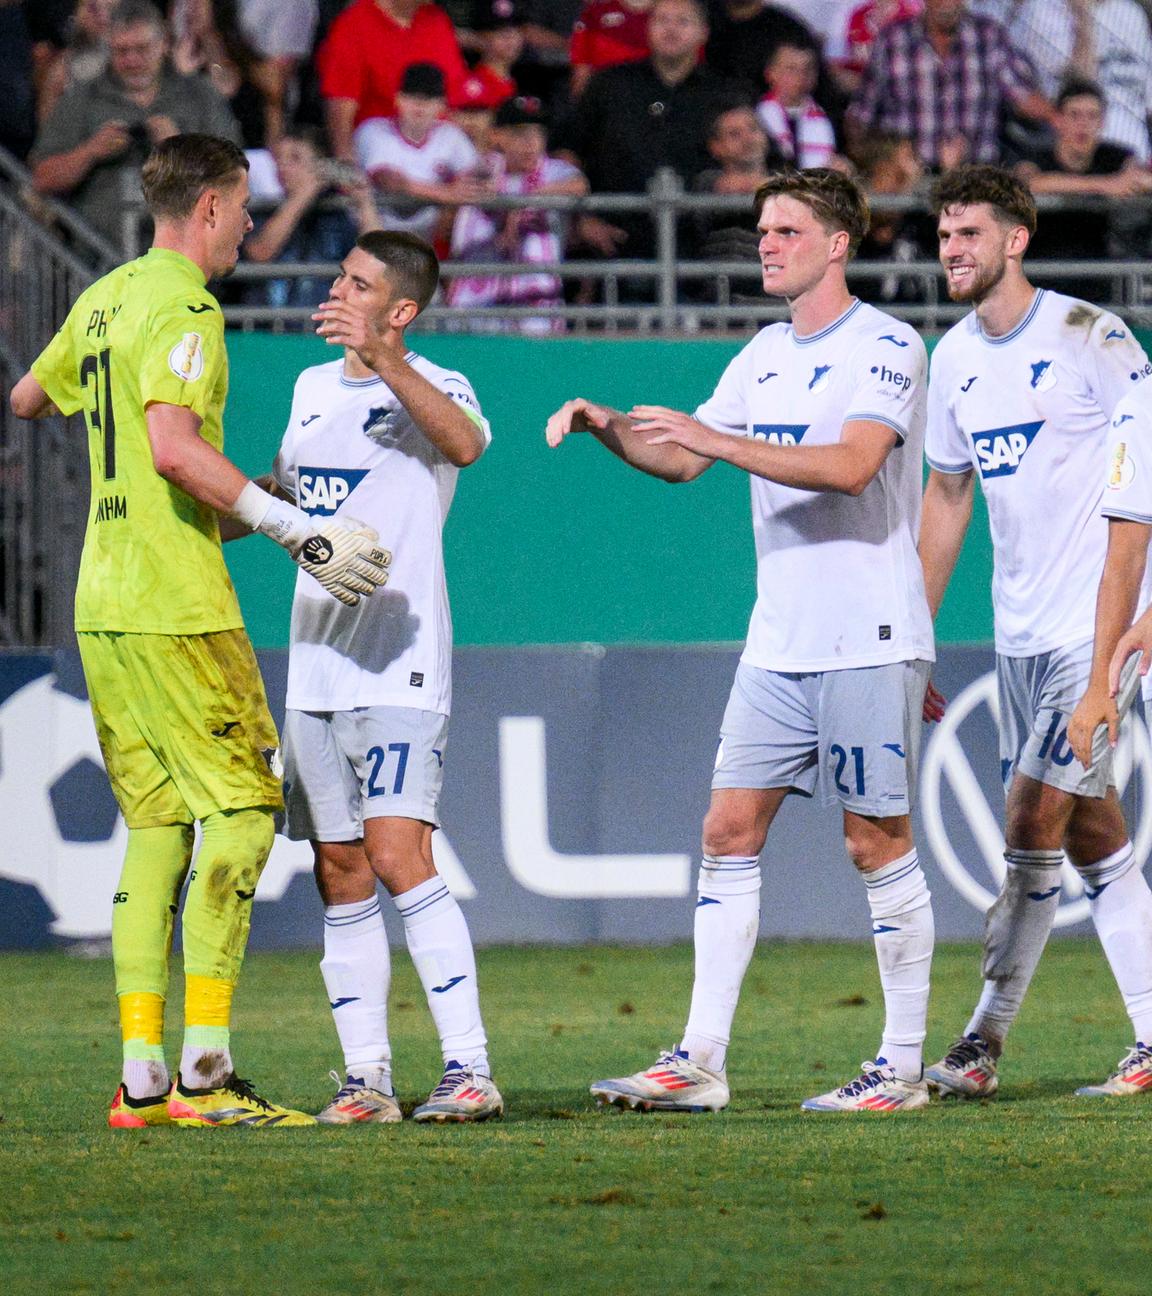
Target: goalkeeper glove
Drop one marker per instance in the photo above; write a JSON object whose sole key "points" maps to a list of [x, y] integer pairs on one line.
{"points": [[342, 554]]}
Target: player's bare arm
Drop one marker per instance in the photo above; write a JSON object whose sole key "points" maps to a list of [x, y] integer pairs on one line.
{"points": [[670, 462], [29, 400], [1116, 602], [844, 468], [947, 510], [382, 349], [182, 457]]}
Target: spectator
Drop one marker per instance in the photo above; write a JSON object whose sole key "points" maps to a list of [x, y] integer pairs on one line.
{"points": [[607, 33], [795, 123], [307, 226], [281, 32], [889, 165], [744, 36], [366, 52], [91, 148], [521, 165], [488, 84], [1106, 41], [415, 155], [1077, 163], [18, 111], [638, 117], [208, 42], [850, 47], [945, 80], [82, 59], [548, 28]]}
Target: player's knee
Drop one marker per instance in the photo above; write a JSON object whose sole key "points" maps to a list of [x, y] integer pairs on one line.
{"points": [[867, 849], [399, 866], [728, 834], [234, 848]]}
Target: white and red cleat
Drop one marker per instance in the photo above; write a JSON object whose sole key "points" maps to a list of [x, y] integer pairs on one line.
{"points": [[1132, 1076], [875, 1089], [672, 1083], [967, 1070]]}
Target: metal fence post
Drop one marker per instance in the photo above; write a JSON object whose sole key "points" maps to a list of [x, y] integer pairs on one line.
{"points": [[666, 189]]}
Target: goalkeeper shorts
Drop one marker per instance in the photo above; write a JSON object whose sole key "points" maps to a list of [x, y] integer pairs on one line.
{"points": [[183, 724]]}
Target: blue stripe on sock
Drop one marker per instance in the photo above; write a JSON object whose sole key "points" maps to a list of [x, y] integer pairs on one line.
{"points": [[896, 877], [435, 898], [350, 920]]}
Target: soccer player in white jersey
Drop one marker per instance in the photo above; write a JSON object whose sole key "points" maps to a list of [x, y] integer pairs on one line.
{"points": [[382, 434], [1022, 393], [826, 415]]}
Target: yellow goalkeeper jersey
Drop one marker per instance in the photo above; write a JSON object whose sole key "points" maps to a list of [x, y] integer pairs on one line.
{"points": [[147, 333]]}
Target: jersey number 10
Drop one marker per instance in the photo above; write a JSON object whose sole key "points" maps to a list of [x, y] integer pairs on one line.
{"points": [[96, 371]]}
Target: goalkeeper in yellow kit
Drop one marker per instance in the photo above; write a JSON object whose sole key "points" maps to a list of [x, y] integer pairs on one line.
{"points": [[175, 690]]}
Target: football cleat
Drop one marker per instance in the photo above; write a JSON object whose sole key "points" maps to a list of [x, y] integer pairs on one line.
{"points": [[1132, 1076], [875, 1089], [967, 1070], [462, 1095], [137, 1113], [234, 1102], [672, 1083], [356, 1104]]}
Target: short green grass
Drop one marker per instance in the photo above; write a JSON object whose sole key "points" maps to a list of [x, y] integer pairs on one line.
{"points": [[1039, 1192]]}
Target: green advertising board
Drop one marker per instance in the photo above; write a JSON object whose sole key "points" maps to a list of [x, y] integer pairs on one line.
{"points": [[568, 545]]}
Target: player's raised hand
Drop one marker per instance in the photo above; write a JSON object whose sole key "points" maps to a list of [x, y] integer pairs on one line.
{"points": [[346, 558], [664, 426], [578, 415], [935, 704], [346, 324]]}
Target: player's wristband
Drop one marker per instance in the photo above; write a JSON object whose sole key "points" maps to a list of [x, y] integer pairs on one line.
{"points": [[275, 518]]}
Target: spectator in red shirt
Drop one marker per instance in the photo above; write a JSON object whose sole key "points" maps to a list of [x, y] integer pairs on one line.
{"points": [[848, 50], [608, 32], [365, 54], [500, 34]]}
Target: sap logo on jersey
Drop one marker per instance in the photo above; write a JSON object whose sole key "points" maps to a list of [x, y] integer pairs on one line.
{"points": [[780, 434], [323, 490], [898, 380], [1000, 450]]}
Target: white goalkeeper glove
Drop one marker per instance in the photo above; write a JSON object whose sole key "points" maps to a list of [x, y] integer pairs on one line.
{"points": [[345, 557], [342, 554]]}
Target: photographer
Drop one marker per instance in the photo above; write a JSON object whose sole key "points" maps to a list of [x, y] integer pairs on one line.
{"points": [[90, 150], [305, 226]]}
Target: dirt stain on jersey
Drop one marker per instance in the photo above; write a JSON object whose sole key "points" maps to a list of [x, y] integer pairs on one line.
{"points": [[1081, 316]]}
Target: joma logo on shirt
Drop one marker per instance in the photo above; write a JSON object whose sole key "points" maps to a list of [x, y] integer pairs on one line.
{"points": [[780, 434], [323, 490], [1000, 450]]}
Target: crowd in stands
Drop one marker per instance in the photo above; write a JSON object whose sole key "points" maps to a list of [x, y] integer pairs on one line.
{"points": [[414, 112]]}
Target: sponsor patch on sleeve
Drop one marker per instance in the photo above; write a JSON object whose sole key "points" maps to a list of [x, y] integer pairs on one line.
{"points": [[1122, 471], [186, 359]]}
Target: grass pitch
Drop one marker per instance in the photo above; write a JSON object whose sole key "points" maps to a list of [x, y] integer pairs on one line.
{"points": [[1037, 1192]]}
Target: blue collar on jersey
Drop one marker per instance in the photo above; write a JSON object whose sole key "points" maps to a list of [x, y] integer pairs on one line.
{"points": [[345, 381], [816, 337], [1029, 316]]}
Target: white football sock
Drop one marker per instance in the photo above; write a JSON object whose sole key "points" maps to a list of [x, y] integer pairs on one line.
{"points": [[357, 971], [726, 927], [1121, 906], [1016, 929], [441, 949], [903, 933]]}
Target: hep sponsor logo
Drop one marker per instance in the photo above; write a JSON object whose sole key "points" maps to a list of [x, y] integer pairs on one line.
{"points": [[323, 490], [1000, 450], [893, 377]]}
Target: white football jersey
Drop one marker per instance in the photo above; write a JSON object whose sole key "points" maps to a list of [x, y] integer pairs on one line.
{"points": [[444, 156], [351, 449], [1029, 411], [838, 579]]}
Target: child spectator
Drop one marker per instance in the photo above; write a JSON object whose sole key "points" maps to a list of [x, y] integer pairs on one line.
{"points": [[608, 32], [500, 35], [798, 127], [416, 155], [520, 165]]}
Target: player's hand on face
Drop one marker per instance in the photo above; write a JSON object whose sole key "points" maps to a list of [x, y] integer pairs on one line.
{"points": [[344, 324], [1095, 708], [110, 141], [663, 426], [935, 704], [574, 416]]}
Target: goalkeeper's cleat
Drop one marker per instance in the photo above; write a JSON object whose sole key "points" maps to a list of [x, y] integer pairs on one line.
{"points": [[876, 1089], [234, 1102], [1132, 1076], [672, 1083], [967, 1070], [357, 1104], [462, 1095], [137, 1113], [346, 558]]}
